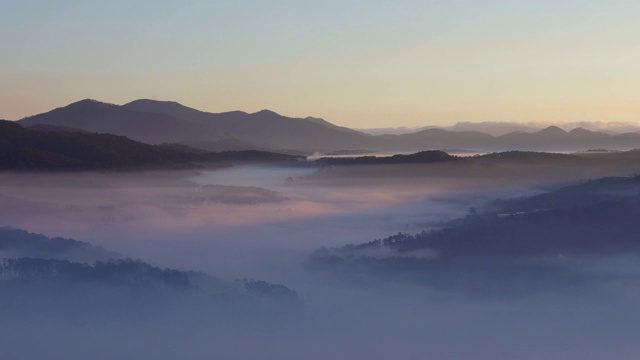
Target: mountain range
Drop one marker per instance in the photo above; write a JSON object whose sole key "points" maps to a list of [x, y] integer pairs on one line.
{"points": [[498, 128], [156, 122], [489, 127]]}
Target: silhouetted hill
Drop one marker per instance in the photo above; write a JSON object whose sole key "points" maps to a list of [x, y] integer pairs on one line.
{"points": [[551, 138], [596, 217], [551, 131], [555, 139], [493, 128], [266, 129], [48, 285], [584, 133], [124, 289], [25, 149], [590, 193], [513, 246], [433, 139], [529, 157], [422, 157], [55, 128], [156, 122], [94, 116], [17, 243]]}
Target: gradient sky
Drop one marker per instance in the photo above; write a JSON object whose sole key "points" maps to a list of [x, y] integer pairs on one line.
{"points": [[355, 63]]}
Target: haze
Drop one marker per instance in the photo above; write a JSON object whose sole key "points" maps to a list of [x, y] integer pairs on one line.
{"points": [[246, 180], [219, 222]]}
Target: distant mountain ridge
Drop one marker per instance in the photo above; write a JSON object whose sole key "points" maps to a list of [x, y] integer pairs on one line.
{"points": [[499, 128], [150, 127], [264, 128], [488, 127], [156, 122]]}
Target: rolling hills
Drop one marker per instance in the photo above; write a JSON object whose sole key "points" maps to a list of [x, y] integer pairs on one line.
{"points": [[28, 149], [156, 122]]}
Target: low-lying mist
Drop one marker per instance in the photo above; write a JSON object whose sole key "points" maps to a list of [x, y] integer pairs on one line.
{"points": [[265, 223], [234, 216]]}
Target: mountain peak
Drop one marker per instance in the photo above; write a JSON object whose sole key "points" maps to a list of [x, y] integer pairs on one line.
{"points": [[584, 133], [552, 130], [152, 101], [150, 105], [87, 103], [266, 112], [580, 130]]}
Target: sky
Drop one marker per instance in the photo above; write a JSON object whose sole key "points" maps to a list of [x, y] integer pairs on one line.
{"points": [[362, 64]]}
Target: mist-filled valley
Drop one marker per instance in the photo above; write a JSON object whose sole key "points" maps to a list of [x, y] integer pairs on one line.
{"points": [[514, 256], [313, 180]]}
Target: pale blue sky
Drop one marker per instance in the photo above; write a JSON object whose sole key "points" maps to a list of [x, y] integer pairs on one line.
{"points": [[355, 63]]}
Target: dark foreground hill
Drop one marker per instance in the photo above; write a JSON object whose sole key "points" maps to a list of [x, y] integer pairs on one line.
{"points": [[53, 278], [423, 157], [518, 245], [28, 149], [596, 217], [17, 243], [491, 170]]}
